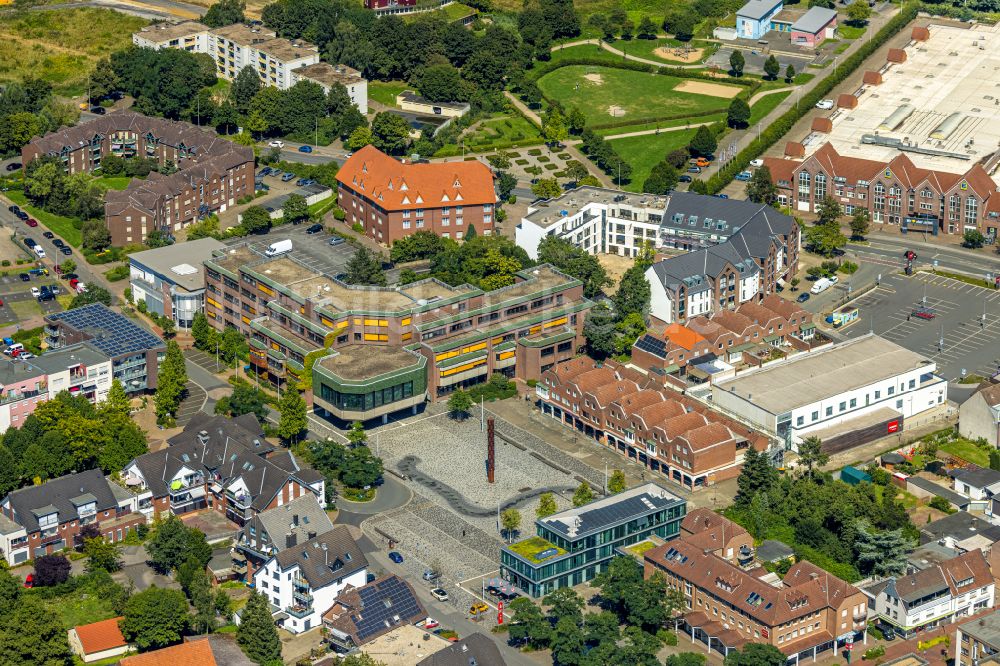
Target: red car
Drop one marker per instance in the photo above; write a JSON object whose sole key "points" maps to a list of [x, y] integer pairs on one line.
{"points": [[923, 314], [32, 222], [29, 581]]}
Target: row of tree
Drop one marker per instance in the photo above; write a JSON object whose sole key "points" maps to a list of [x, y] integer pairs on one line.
{"points": [[28, 109]]}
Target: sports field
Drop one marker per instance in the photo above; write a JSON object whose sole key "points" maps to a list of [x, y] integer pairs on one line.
{"points": [[605, 94]]}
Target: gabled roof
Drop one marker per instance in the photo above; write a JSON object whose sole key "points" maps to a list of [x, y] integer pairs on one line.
{"points": [[708, 529], [375, 609], [758, 9], [990, 393], [397, 185], [815, 20], [475, 649], [682, 336], [325, 558], [58, 495], [975, 477], [192, 653], [100, 636], [299, 517]]}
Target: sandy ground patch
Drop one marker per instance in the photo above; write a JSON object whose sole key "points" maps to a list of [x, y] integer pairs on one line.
{"points": [[710, 89], [616, 111], [669, 53], [596, 79], [615, 266], [8, 249]]}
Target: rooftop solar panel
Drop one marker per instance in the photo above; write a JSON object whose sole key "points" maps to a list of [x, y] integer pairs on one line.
{"points": [[112, 333], [652, 345], [386, 604]]}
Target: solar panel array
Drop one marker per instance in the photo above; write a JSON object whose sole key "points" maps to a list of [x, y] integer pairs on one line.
{"points": [[652, 345], [382, 603], [616, 512], [113, 334]]}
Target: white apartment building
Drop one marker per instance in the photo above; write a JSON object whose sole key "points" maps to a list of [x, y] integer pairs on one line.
{"points": [[303, 581], [80, 369], [597, 220], [275, 59], [837, 394], [701, 282], [938, 595]]}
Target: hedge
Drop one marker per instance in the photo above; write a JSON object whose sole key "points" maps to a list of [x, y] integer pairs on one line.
{"points": [[784, 124]]}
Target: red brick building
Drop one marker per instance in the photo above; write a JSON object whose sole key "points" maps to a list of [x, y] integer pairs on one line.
{"points": [[393, 198], [667, 432], [896, 193]]}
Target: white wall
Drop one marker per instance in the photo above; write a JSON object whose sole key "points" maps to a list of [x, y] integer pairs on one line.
{"points": [[277, 586], [660, 304]]}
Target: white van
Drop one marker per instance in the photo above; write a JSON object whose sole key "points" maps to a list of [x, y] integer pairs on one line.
{"points": [[821, 285], [16, 347], [39, 251], [278, 247]]}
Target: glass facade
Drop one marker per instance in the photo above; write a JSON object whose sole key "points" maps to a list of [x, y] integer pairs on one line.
{"points": [[360, 402], [588, 555]]}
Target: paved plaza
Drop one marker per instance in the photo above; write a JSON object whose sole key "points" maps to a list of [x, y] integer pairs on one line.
{"points": [[957, 338]]}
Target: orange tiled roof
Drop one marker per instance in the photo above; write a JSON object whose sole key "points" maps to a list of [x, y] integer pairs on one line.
{"points": [[682, 336], [395, 185], [100, 636], [193, 653]]}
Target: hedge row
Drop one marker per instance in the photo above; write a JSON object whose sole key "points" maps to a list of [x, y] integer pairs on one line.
{"points": [[784, 124]]}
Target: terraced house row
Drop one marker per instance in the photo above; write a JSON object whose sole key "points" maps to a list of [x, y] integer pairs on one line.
{"points": [[663, 430], [371, 351]]}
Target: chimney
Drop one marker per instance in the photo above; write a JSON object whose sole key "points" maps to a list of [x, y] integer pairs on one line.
{"points": [[312, 534], [290, 540]]}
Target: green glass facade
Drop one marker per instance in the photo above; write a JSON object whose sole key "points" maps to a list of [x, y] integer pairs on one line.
{"points": [[589, 554]]}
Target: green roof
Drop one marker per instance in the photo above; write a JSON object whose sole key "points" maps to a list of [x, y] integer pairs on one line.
{"points": [[530, 548]]}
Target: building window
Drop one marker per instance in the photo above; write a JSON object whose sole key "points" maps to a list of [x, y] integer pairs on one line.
{"points": [[820, 185], [815, 416], [804, 183], [971, 210]]}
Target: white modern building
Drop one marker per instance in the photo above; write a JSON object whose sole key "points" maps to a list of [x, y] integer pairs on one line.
{"points": [[80, 369], [279, 62], [940, 594], [302, 582], [846, 394], [597, 220], [171, 280]]}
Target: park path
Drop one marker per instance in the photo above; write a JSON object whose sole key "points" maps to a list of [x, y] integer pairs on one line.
{"points": [[610, 49], [764, 93], [661, 130]]}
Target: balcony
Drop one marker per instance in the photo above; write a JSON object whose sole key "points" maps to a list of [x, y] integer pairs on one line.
{"points": [[299, 611], [303, 596], [238, 501], [17, 396], [300, 583], [239, 567], [542, 392]]}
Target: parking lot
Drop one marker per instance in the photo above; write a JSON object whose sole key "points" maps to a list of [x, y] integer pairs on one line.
{"points": [[958, 337], [313, 250]]}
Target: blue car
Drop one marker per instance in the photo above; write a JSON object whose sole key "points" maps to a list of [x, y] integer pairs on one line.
{"points": [[396, 557], [305, 149], [743, 176], [288, 175]]}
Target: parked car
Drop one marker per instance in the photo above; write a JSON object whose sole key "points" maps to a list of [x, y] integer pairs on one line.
{"points": [[439, 594], [35, 292], [14, 208], [336, 240], [821, 285], [31, 222], [824, 104], [694, 169], [70, 276], [66, 250], [49, 235], [396, 557], [684, 178], [802, 298], [430, 574], [721, 196], [13, 166], [757, 163], [30, 242], [314, 229], [39, 251], [58, 242], [21, 215], [277, 144], [702, 162], [25, 277], [98, 110], [305, 149], [431, 623], [45, 296], [833, 279], [923, 313], [478, 608], [287, 176], [744, 176], [29, 580], [300, 182]]}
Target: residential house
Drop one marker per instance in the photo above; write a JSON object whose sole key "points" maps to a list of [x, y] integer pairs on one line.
{"points": [[224, 464], [392, 198], [270, 532], [573, 546], [23, 385], [98, 641], [171, 280], [814, 26], [716, 533], [962, 530], [211, 650], [978, 484], [978, 642], [940, 594], [81, 368], [360, 615], [474, 650], [303, 582], [53, 513], [328, 76], [979, 415]]}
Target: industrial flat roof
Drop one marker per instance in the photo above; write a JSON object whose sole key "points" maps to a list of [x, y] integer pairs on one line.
{"points": [[985, 630], [550, 212], [808, 378], [173, 262], [611, 510], [361, 362]]}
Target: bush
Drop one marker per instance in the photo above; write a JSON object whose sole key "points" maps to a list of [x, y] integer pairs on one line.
{"points": [[118, 273], [358, 229], [941, 504], [874, 652]]}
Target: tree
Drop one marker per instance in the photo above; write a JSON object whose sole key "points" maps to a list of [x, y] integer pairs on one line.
{"points": [[633, 293], [361, 468], [811, 454], [825, 239], [583, 494], [616, 483], [360, 137], [510, 520], [860, 223], [442, 83], [757, 476], [829, 211], [246, 85], [101, 554], [546, 506], [295, 208], [858, 12], [703, 143], [554, 127], [171, 543], [738, 115], [646, 29], [567, 642], [255, 220], [972, 238], [245, 399], [459, 404], [505, 186], [10, 590], [772, 67], [599, 331], [390, 133], [682, 24], [756, 654], [9, 477], [662, 179], [357, 435], [564, 603], [881, 553], [257, 634], [546, 188], [761, 188], [103, 80], [170, 381], [995, 460], [94, 294], [789, 74], [224, 12], [737, 62], [499, 268], [31, 633], [155, 618], [365, 268], [293, 420], [529, 625], [574, 262], [51, 570], [117, 401]]}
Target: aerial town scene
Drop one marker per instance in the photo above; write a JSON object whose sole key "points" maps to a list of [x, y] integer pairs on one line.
{"points": [[499, 332]]}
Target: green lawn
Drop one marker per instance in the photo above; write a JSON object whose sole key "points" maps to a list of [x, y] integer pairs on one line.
{"points": [[384, 92], [80, 607], [112, 182], [62, 46], [850, 31], [765, 105], [967, 451], [591, 51], [646, 48], [641, 95], [531, 547], [61, 226], [643, 152], [456, 11]]}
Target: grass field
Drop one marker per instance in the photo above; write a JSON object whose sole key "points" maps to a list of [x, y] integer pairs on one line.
{"points": [[61, 46], [967, 451], [451, 13], [591, 51], [595, 89], [663, 125], [765, 105], [499, 131], [112, 182], [643, 152], [79, 608], [61, 226], [384, 92], [850, 31]]}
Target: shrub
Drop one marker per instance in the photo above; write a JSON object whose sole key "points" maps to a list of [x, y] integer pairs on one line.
{"points": [[358, 228], [941, 504], [874, 652]]}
